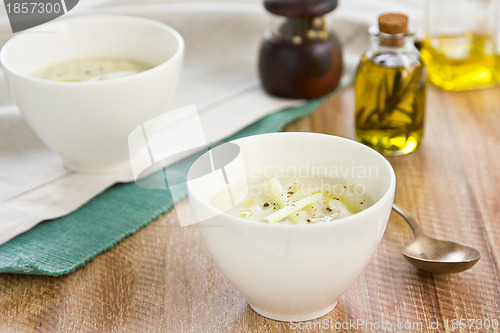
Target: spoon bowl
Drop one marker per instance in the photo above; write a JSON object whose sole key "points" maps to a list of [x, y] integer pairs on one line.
{"points": [[441, 257], [434, 255]]}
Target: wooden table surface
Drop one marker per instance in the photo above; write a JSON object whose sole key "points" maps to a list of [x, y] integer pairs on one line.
{"points": [[162, 279]]}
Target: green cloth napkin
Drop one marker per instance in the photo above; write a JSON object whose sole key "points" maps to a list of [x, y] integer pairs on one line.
{"points": [[62, 245]]}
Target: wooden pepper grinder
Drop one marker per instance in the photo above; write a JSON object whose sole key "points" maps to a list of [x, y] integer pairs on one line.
{"points": [[300, 57]]}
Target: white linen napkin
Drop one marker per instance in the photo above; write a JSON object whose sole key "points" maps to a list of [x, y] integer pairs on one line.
{"points": [[219, 77]]}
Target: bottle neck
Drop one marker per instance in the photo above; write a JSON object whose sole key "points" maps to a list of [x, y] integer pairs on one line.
{"points": [[301, 30], [392, 42]]}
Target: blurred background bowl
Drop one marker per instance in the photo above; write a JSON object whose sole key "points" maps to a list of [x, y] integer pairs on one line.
{"points": [[88, 123]]}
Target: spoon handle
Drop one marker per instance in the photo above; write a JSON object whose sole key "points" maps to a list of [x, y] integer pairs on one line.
{"points": [[417, 231]]}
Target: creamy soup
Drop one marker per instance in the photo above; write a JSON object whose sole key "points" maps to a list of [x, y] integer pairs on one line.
{"points": [[296, 201], [92, 69]]}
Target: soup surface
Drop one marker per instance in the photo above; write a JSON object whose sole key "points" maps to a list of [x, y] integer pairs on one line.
{"points": [[294, 201], [92, 69]]}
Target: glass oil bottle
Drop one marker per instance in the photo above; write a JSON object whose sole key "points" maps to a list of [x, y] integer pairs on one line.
{"points": [[390, 89], [461, 48]]}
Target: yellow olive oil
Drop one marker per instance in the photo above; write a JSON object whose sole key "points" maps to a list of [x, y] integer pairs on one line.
{"points": [[461, 62], [390, 105]]}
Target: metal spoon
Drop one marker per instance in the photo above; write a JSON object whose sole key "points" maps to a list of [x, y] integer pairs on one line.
{"points": [[434, 255]]}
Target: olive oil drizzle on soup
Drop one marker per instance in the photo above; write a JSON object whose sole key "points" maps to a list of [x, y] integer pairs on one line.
{"points": [[295, 201]]}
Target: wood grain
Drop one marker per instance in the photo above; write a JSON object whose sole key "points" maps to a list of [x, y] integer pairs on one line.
{"points": [[163, 280]]}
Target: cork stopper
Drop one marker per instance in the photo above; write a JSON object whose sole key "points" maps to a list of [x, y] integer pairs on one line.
{"points": [[393, 23]]}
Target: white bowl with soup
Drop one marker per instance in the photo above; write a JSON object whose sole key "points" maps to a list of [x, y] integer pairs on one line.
{"points": [[84, 83], [300, 219]]}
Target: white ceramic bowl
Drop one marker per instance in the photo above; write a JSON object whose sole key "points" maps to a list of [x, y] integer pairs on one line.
{"points": [[296, 272], [88, 123]]}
